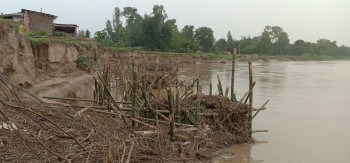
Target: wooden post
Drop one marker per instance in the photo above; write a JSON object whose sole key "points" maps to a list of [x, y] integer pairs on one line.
{"points": [[108, 84], [250, 97], [220, 86], [159, 88], [171, 115], [261, 108], [226, 92], [196, 114], [210, 89], [186, 92], [233, 96], [134, 92], [177, 105], [246, 100]]}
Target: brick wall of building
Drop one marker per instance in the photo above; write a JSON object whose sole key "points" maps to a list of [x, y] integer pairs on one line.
{"points": [[38, 21]]}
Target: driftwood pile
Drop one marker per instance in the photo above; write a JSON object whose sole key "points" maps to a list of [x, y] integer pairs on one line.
{"points": [[144, 126]]}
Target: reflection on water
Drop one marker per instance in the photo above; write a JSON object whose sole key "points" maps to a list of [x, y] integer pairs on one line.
{"points": [[308, 116]]}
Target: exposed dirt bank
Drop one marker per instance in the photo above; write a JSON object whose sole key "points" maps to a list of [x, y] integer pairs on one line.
{"points": [[49, 68], [16, 56]]}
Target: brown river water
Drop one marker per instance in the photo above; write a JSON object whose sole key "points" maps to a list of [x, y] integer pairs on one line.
{"points": [[308, 116]]}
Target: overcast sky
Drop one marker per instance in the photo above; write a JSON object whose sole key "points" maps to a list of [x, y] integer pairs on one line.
{"points": [[301, 19]]}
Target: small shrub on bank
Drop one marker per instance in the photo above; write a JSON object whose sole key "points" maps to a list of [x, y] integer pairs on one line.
{"points": [[42, 32], [86, 62], [59, 34], [30, 33]]}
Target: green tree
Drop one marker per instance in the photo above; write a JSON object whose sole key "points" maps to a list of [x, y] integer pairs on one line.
{"points": [[117, 23], [87, 34], [159, 13], [152, 28], [298, 47], [205, 37], [327, 47], [273, 40], [167, 31], [282, 45], [100, 36], [133, 29], [81, 33], [151, 32], [177, 42], [248, 45], [343, 51], [109, 30], [221, 45], [265, 43], [230, 42], [280, 40], [189, 42]]}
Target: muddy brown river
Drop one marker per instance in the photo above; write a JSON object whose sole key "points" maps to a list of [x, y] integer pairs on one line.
{"points": [[308, 116]]}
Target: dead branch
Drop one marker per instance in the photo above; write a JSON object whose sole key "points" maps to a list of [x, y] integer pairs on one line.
{"points": [[17, 107]]}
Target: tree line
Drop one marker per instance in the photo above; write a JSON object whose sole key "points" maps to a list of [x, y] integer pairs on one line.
{"points": [[156, 32]]}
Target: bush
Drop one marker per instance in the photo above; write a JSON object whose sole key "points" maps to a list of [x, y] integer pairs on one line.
{"points": [[86, 62], [42, 32], [59, 34], [30, 33], [16, 26]]}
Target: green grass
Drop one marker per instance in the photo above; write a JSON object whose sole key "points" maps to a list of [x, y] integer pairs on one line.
{"points": [[36, 41], [15, 26]]}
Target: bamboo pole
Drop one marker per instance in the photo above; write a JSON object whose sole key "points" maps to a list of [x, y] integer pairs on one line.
{"points": [[246, 100], [143, 123], [220, 87], [177, 105], [261, 108], [171, 115], [196, 115], [210, 89], [70, 99], [167, 122], [159, 88], [151, 133], [134, 91], [167, 111], [96, 90], [108, 84], [110, 94], [255, 131], [238, 105], [226, 92], [233, 96], [250, 97], [186, 90]]}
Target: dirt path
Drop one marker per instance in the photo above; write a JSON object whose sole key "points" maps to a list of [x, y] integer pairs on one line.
{"points": [[75, 85]]}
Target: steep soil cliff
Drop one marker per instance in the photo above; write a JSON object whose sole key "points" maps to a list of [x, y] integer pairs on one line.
{"points": [[16, 56], [46, 69], [50, 68]]}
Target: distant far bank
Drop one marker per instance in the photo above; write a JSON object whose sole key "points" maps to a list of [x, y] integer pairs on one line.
{"points": [[221, 57]]}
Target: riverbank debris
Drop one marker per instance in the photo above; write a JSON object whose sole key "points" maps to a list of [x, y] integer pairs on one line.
{"points": [[188, 125]]}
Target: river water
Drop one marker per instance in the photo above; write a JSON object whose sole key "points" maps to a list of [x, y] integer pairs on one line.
{"points": [[308, 116]]}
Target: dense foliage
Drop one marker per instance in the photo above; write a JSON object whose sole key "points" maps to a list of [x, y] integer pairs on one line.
{"points": [[157, 32]]}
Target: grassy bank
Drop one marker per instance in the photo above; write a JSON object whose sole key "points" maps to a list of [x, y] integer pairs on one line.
{"points": [[69, 41], [244, 57]]}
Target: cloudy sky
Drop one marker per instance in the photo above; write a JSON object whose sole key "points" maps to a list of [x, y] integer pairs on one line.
{"points": [[301, 19]]}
